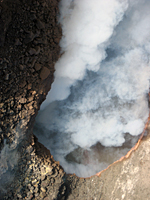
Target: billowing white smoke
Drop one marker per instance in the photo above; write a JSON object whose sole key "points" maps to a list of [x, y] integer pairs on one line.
{"points": [[87, 26], [101, 81]]}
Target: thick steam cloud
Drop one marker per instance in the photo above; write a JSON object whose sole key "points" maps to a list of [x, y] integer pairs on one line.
{"points": [[87, 26], [101, 81]]}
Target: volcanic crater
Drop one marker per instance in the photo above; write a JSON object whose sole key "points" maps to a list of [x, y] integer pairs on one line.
{"points": [[29, 48]]}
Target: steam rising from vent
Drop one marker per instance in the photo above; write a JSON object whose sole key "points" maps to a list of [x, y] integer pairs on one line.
{"points": [[99, 95]]}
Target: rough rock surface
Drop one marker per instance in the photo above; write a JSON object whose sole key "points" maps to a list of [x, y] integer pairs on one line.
{"points": [[29, 37]]}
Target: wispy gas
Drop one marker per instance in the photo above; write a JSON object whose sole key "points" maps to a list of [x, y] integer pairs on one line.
{"points": [[101, 81]]}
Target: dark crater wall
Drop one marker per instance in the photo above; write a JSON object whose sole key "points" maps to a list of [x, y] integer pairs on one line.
{"points": [[29, 48]]}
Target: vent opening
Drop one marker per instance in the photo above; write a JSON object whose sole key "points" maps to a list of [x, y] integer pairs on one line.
{"points": [[97, 106]]}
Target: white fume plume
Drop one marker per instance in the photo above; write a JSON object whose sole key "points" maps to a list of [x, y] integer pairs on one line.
{"points": [[101, 82], [87, 26]]}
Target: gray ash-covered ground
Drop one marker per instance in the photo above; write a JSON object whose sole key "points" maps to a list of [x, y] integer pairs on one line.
{"points": [[29, 48]]}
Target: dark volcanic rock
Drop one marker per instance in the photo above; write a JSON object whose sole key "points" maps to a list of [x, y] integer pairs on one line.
{"points": [[44, 73]]}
